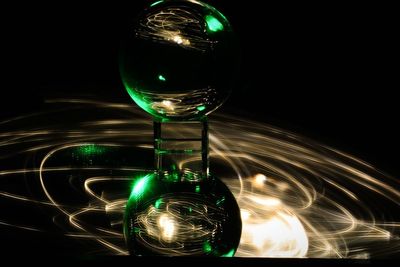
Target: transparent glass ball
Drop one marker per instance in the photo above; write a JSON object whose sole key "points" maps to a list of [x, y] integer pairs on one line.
{"points": [[179, 60], [170, 218]]}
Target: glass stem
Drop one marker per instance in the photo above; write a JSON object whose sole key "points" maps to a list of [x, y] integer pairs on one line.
{"points": [[180, 150]]}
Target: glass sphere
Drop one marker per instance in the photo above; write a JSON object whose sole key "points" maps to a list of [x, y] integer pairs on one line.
{"points": [[179, 60], [165, 217]]}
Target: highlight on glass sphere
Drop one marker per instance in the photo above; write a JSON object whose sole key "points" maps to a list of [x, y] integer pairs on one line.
{"points": [[179, 60]]}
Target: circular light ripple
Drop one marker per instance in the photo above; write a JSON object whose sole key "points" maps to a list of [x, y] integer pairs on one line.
{"points": [[298, 198]]}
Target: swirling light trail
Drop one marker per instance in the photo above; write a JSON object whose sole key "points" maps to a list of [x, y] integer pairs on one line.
{"points": [[297, 198]]}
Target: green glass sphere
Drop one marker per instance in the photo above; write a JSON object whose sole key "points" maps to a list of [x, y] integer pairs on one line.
{"points": [[179, 60]]}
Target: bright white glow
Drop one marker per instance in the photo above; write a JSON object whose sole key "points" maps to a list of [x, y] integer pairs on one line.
{"points": [[245, 214], [260, 179], [281, 235], [167, 227], [265, 201], [270, 229], [179, 40], [168, 104]]}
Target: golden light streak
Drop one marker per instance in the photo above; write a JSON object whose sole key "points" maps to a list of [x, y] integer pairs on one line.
{"points": [[20, 227], [297, 198]]}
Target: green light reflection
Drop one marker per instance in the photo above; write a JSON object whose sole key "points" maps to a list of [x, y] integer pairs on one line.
{"points": [[156, 3], [213, 24], [207, 247], [140, 186], [158, 203], [229, 254], [201, 108], [161, 78], [91, 149]]}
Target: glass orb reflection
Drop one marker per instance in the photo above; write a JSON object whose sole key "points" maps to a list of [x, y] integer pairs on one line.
{"points": [[179, 60]]}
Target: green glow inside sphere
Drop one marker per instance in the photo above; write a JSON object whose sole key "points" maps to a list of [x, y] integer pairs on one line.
{"points": [[179, 60]]}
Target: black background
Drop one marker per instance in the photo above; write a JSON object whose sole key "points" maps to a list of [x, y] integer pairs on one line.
{"points": [[325, 70]]}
